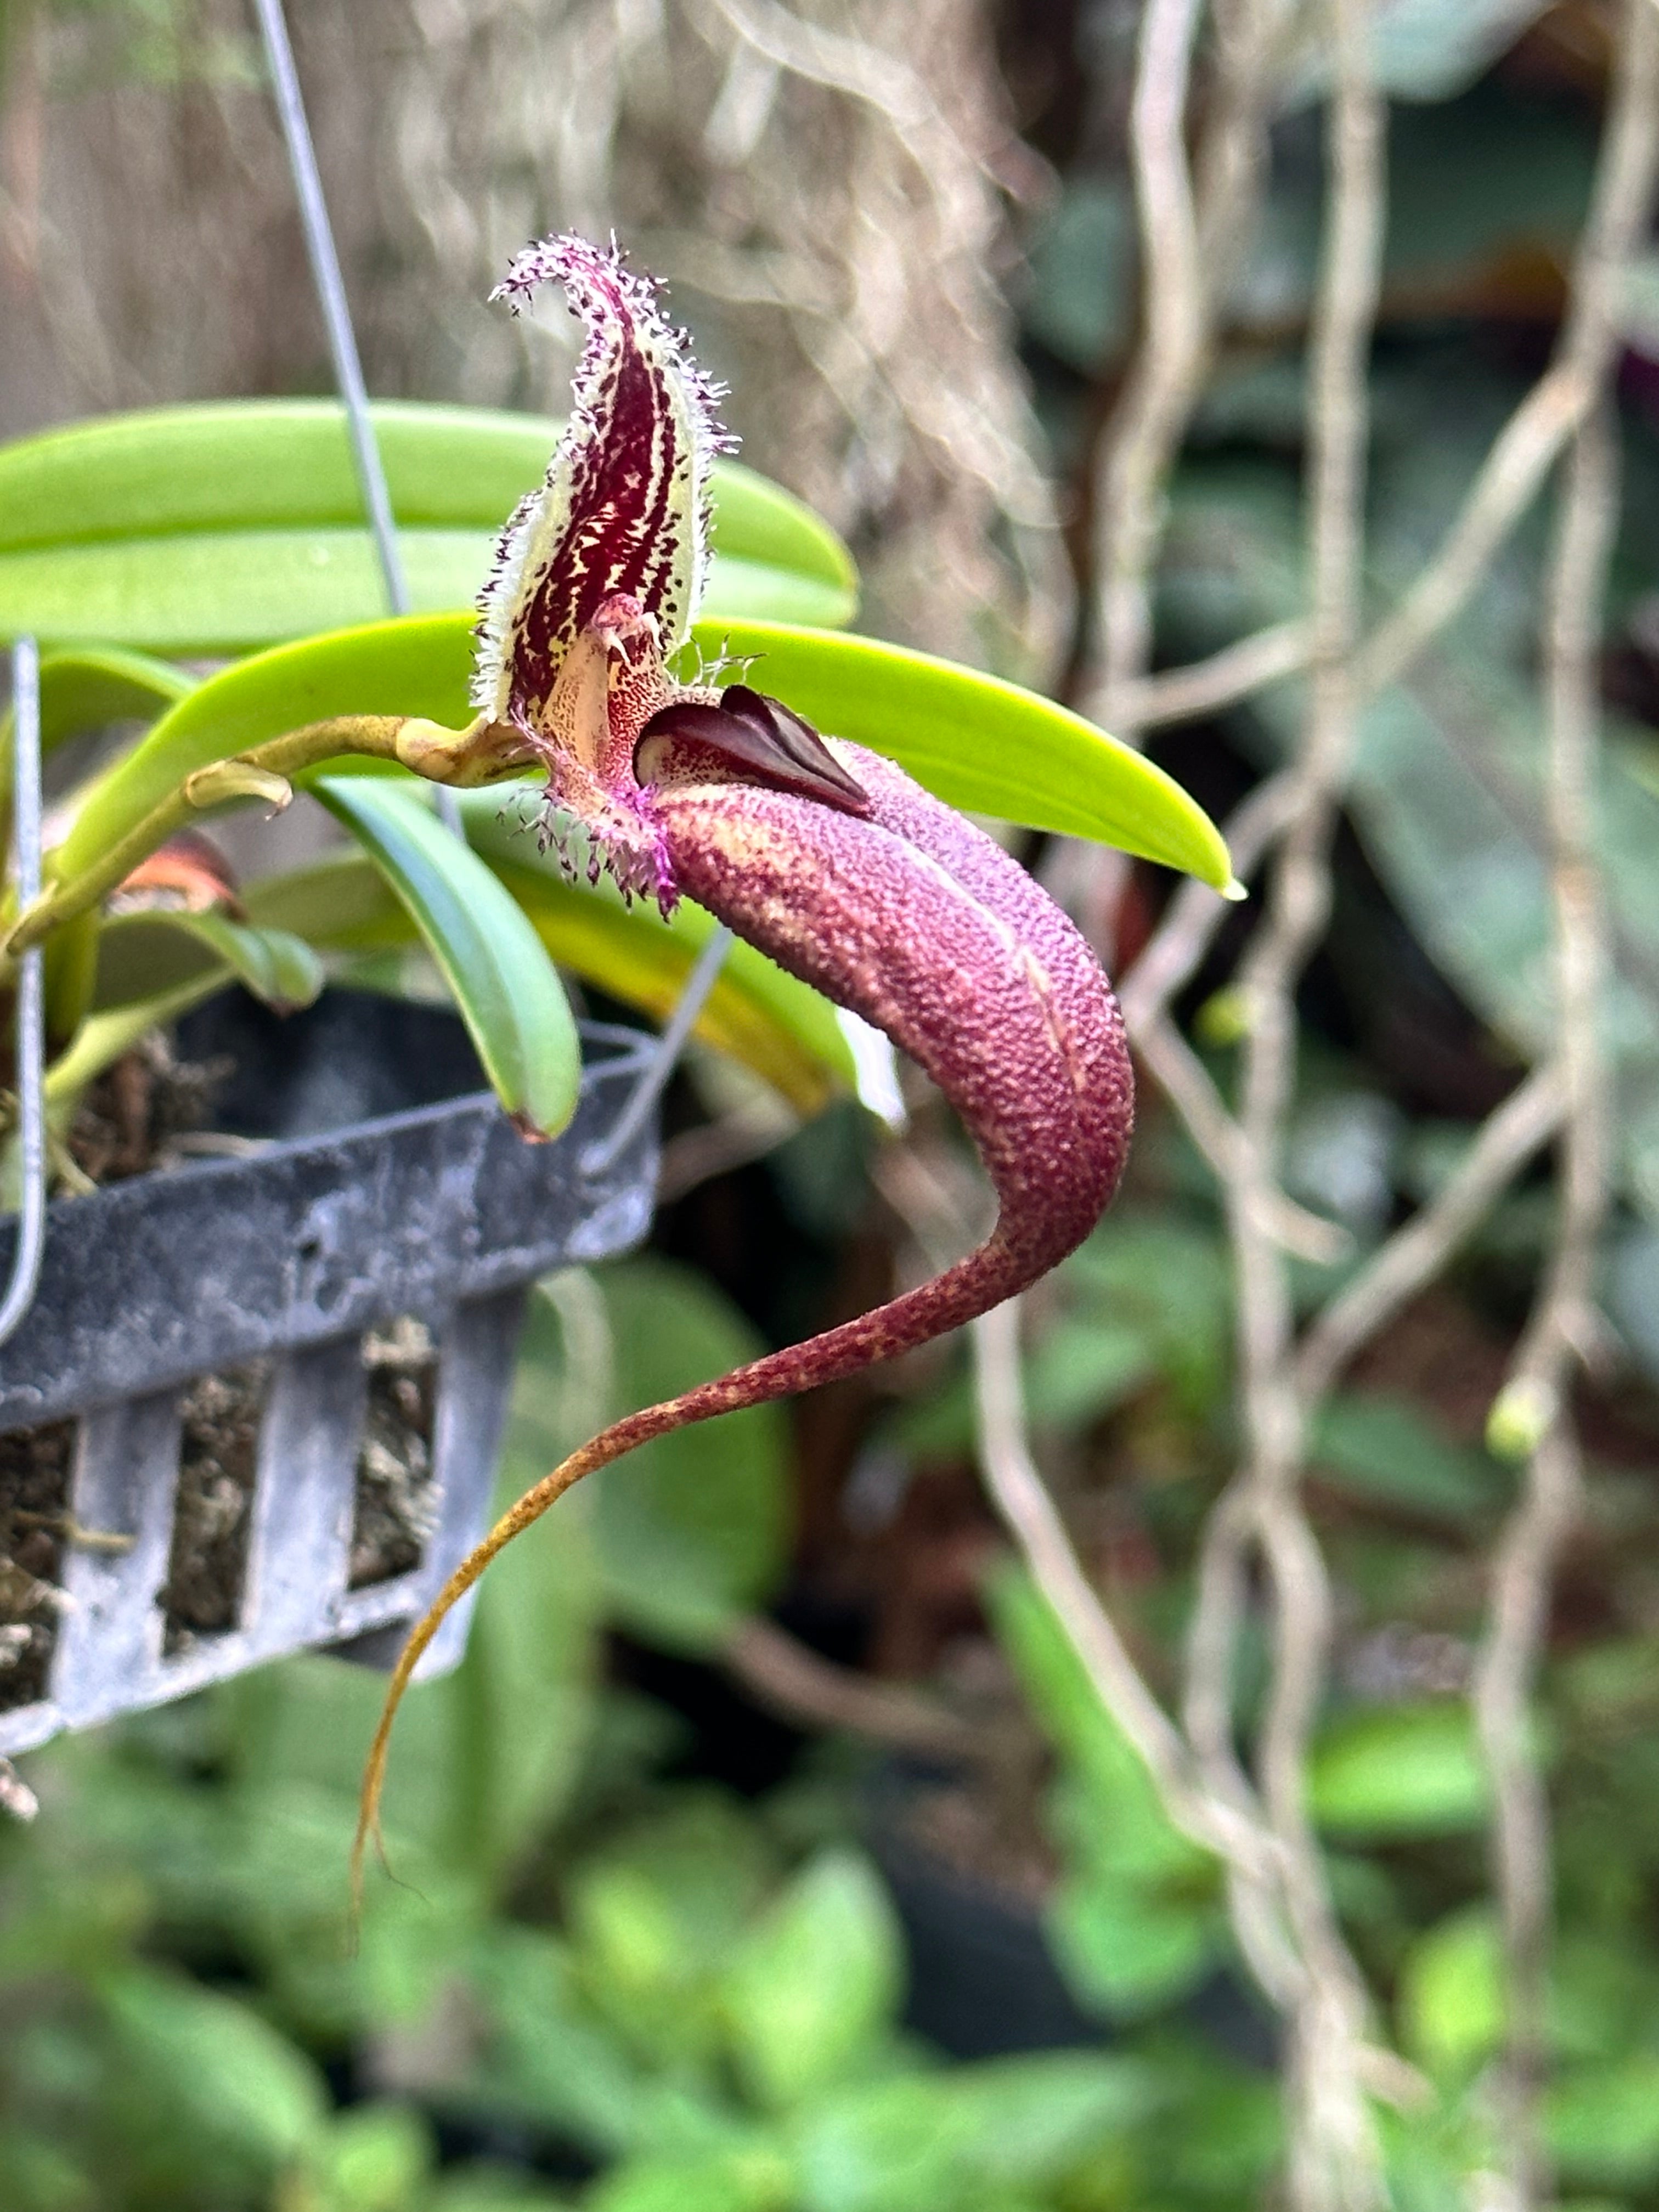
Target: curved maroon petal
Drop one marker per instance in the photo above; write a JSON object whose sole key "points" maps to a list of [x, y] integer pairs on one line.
{"points": [[795, 738], [748, 738]]}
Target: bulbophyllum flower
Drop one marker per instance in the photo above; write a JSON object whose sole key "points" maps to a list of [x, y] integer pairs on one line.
{"points": [[822, 853]]}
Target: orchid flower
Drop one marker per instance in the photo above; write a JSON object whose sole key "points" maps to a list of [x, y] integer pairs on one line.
{"points": [[822, 853]]}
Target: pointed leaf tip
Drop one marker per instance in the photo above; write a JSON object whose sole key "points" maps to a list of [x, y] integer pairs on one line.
{"points": [[979, 742]]}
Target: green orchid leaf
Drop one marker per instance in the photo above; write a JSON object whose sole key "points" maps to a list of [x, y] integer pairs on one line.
{"points": [[87, 687], [977, 741], [155, 949], [272, 463], [980, 743], [779, 1028], [420, 666], [340, 903], [229, 592], [216, 529], [83, 687], [759, 522], [504, 983], [71, 975]]}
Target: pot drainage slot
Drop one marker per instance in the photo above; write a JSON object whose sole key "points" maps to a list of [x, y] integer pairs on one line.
{"points": [[35, 1467], [220, 1418], [395, 1505]]}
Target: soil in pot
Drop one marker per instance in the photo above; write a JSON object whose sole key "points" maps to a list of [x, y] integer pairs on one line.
{"points": [[218, 1457], [35, 1467], [141, 1112], [395, 1500]]}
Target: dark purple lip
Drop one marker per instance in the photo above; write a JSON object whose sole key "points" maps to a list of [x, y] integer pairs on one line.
{"points": [[753, 737]]}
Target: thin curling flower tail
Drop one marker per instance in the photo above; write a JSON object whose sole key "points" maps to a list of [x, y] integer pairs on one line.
{"points": [[822, 855], [913, 918]]}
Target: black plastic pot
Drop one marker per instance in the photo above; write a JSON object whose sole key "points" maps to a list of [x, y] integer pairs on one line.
{"points": [[983, 1980], [433, 1212]]}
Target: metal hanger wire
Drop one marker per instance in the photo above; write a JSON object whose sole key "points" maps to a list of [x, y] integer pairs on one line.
{"points": [[31, 1053], [656, 1064], [371, 475]]}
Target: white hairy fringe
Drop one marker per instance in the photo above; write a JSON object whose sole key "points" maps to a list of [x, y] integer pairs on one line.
{"points": [[692, 425]]}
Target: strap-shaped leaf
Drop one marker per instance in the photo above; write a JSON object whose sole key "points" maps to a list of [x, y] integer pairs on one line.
{"points": [[416, 666], [777, 1027], [980, 743], [214, 529], [977, 741], [142, 953], [340, 902], [230, 592], [85, 687], [781, 1029], [82, 687], [504, 984]]}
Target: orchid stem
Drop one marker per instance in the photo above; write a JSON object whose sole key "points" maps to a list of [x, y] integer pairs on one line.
{"points": [[372, 736]]}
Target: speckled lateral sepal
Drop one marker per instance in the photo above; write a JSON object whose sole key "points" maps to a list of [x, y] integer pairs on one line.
{"points": [[915, 920]]}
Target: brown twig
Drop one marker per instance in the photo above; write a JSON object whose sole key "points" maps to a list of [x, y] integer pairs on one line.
{"points": [[1185, 1081], [1417, 1252], [17, 1800], [1335, 2160], [940, 1207], [1188, 243], [904, 330], [1224, 1821], [1503, 489], [1190, 234], [1172, 955], [1516, 1629], [23, 143], [1206, 687], [748, 1132], [799, 1685], [1508, 481], [1164, 382], [1532, 1410]]}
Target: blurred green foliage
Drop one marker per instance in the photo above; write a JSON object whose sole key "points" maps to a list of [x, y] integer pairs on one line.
{"points": [[584, 1967], [697, 1998]]}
